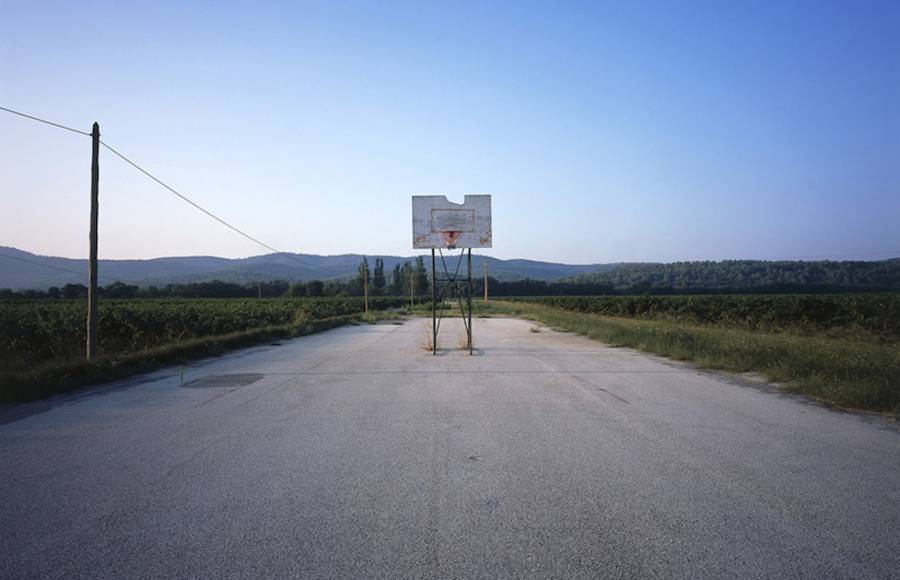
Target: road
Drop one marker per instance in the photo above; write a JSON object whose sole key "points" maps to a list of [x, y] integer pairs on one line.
{"points": [[357, 454]]}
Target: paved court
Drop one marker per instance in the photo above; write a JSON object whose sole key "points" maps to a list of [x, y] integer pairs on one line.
{"points": [[357, 454]]}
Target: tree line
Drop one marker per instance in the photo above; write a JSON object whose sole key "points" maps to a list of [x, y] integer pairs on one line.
{"points": [[410, 278], [746, 275], [726, 277]]}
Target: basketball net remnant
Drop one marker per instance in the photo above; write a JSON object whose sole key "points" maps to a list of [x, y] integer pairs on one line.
{"points": [[439, 224]]}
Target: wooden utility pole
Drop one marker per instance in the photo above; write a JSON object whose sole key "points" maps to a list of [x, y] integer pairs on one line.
{"points": [[484, 263], [366, 288], [92, 318]]}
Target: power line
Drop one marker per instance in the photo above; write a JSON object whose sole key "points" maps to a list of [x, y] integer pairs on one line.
{"points": [[289, 256], [33, 118], [41, 264], [168, 187], [206, 211]]}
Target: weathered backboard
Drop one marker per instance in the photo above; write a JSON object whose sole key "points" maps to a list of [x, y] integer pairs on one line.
{"points": [[439, 223]]}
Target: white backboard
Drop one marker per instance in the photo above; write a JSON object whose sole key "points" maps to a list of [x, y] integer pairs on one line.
{"points": [[439, 223]]}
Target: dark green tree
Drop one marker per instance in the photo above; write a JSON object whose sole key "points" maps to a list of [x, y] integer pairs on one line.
{"points": [[119, 290], [397, 281], [74, 291], [333, 288], [378, 276], [315, 288], [406, 274], [297, 290], [421, 276], [362, 274]]}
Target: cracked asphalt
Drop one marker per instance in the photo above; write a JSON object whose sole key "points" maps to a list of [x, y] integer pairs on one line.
{"points": [[357, 454]]}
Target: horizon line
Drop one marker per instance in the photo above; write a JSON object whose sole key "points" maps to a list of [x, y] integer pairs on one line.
{"points": [[888, 255]]}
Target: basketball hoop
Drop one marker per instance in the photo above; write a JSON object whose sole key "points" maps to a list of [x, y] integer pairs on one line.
{"points": [[440, 224], [450, 238]]}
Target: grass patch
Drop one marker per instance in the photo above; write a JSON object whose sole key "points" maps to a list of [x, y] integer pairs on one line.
{"points": [[848, 373], [60, 377]]}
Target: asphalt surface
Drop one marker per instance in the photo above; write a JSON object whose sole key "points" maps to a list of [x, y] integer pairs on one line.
{"points": [[357, 454]]}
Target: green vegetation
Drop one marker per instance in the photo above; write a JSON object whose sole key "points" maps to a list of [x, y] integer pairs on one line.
{"points": [[854, 364], [749, 274], [864, 316], [42, 342]]}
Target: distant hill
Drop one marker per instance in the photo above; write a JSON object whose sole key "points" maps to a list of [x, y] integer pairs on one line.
{"points": [[20, 270], [23, 270]]}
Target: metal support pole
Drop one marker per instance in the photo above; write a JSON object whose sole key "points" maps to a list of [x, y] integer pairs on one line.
{"points": [[92, 317], [433, 305], [469, 300], [484, 263], [366, 288]]}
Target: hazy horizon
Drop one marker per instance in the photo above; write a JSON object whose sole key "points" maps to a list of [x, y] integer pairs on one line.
{"points": [[644, 132], [413, 253]]}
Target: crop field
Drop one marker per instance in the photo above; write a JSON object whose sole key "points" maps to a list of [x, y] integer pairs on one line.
{"points": [[41, 335], [864, 316]]}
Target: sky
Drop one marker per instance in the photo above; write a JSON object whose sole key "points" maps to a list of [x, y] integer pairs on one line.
{"points": [[605, 131]]}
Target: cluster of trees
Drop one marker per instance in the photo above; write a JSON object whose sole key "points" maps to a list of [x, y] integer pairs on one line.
{"points": [[403, 280], [67, 291]]}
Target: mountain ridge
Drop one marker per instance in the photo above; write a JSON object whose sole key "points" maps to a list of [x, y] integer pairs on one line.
{"points": [[23, 270]]}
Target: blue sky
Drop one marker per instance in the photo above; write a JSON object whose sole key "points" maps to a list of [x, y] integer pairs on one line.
{"points": [[606, 131]]}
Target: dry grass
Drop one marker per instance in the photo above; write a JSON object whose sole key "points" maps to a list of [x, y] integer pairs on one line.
{"points": [[849, 373], [427, 342]]}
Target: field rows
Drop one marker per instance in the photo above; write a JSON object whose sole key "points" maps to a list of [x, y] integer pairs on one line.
{"points": [[41, 332], [864, 316]]}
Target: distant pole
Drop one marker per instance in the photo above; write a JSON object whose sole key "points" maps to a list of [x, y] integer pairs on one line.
{"points": [[410, 279], [366, 288], [259, 287], [92, 318], [484, 263]]}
